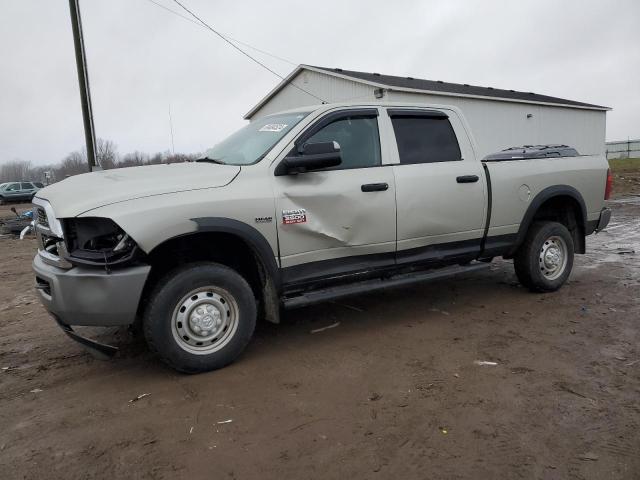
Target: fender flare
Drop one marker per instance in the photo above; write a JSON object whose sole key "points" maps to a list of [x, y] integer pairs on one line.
{"points": [[547, 194], [254, 239]]}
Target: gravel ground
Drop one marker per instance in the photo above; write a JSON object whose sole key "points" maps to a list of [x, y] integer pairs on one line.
{"points": [[393, 390]]}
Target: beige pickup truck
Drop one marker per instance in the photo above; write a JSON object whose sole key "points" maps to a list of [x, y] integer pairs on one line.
{"points": [[302, 207]]}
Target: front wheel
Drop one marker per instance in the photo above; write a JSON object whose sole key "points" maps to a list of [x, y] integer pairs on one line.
{"points": [[200, 317], [544, 261]]}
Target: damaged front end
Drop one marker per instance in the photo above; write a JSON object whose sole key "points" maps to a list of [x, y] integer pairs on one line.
{"points": [[89, 272], [99, 242]]}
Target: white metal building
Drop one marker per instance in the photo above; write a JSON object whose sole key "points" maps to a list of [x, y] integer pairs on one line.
{"points": [[498, 118]]}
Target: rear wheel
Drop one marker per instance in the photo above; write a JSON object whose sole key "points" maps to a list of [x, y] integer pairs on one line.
{"points": [[545, 259], [200, 317]]}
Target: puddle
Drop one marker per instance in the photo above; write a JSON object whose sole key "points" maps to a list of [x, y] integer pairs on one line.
{"points": [[619, 242]]}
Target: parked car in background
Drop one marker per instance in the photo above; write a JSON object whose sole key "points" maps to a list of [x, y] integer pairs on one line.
{"points": [[18, 191]]}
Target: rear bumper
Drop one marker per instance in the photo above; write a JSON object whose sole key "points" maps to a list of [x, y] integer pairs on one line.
{"points": [[605, 217], [599, 224], [89, 296]]}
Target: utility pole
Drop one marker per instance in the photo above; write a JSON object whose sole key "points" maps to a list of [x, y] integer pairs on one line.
{"points": [[83, 82]]}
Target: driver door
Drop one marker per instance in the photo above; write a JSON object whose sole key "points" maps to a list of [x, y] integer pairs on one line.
{"points": [[340, 220]]}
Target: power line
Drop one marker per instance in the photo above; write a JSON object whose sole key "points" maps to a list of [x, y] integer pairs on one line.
{"points": [[224, 34], [243, 52]]}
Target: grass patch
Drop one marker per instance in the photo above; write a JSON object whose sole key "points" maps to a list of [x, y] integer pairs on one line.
{"points": [[624, 164]]}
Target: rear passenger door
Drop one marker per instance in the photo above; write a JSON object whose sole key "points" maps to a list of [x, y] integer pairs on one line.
{"points": [[440, 187], [26, 190]]}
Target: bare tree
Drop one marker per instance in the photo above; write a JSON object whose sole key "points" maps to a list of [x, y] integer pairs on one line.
{"points": [[15, 170], [76, 162], [180, 157], [155, 159], [72, 164], [106, 154], [134, 159]]}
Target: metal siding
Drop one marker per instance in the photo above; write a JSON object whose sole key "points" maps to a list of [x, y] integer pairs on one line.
{"points": [[326, 87], [495, 124]]}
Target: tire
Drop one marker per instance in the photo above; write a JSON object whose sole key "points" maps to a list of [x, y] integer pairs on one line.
{"points": [[185, 322], [545, 259], [2, 201]]}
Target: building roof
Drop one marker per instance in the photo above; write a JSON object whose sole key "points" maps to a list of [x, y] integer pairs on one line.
{"points": [[436, 87]]}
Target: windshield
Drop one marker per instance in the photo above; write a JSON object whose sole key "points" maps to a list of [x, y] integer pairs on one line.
{"points": [[252, 142]]}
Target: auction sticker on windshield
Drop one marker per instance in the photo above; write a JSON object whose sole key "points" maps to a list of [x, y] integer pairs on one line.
{"points": [[273, 127]]}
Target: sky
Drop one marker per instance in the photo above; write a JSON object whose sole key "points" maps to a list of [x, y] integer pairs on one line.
{"points": [[144, 61]]}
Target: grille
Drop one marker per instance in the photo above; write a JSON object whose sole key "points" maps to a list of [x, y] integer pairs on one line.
{"points": [[42, 218]]}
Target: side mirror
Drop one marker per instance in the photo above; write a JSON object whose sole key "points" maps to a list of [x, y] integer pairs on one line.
{"points": [[313, 156]]}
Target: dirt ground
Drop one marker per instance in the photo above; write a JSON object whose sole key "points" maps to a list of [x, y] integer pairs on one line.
{"points": [[391, 391]]}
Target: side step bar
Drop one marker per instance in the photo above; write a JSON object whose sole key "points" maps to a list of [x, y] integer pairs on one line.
{"points": [[333, 293]]}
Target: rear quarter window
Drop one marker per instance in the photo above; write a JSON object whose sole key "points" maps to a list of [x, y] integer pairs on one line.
{"points": [[425, 139]]}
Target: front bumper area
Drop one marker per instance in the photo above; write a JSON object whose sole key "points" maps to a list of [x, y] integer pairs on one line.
{"points": [[97, 349], [90, 296]]}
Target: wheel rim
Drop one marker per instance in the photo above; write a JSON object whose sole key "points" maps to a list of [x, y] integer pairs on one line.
{"points": [[205, 320], [553, 257]]}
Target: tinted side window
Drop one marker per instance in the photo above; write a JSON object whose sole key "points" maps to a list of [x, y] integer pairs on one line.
{"points": [[425, 140], [26, 186], [38, 184], [13, 186], [358, 138]]}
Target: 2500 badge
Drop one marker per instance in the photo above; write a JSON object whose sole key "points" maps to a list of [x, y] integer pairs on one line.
{"points": [[298, 215]]}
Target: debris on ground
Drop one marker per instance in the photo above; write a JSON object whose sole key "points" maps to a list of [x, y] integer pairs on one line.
{"points": [[139, 397], [350, 307], [589, 456], [225, 421], [568, 389], [15, 225], [374, 396], [484, 362], [443, 430], [333, 325], [36, 390], [437, 310]]}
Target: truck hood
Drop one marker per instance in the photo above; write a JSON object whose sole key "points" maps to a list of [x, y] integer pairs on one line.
{"points": [[80, 193]]}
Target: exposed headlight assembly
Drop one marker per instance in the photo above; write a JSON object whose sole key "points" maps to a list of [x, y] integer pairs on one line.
{"points": [[98, 241]]}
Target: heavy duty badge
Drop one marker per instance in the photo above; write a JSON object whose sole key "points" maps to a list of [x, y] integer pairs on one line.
{"points": [[298, 215]]}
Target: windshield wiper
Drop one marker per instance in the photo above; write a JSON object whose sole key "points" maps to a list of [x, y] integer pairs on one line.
{"points": [[211, 160]]}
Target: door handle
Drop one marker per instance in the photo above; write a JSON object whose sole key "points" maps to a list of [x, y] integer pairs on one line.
{"points": [[467, 179], [374, 187]]}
